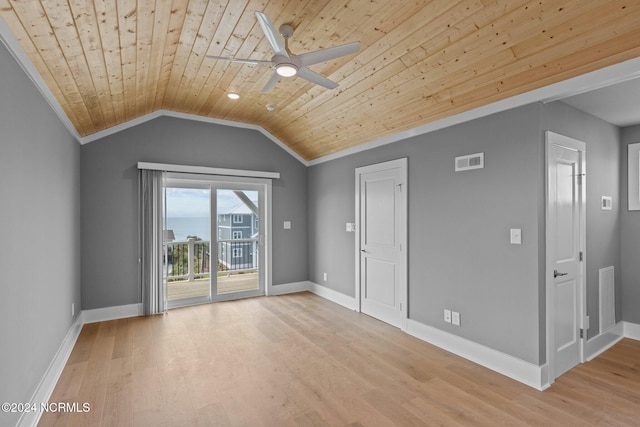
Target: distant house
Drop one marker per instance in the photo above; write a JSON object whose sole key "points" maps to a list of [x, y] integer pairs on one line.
{"points": [[238, 238]]}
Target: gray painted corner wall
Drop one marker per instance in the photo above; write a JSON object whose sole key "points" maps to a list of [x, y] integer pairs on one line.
{"points": [[630, 243], [602, 179], [109, 198], [459, 252], [40, 229]]}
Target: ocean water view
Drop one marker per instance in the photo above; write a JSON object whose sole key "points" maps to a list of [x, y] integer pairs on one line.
{"points": [[185, 226]]}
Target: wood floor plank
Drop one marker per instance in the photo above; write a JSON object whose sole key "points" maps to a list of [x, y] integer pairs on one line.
{"points": [[300, 360]]}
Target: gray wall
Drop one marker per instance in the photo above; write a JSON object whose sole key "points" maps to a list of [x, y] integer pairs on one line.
{"points": [[603, 179], [459, 252], [40, 226], [460, 257], [630, 237], [109, 198]]}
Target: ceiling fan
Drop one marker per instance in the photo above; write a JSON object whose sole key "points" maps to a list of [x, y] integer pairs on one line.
{"points": [[287, 64]]}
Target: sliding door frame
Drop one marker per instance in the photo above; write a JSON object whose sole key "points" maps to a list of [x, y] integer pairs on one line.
{"points": [[215, 182]]}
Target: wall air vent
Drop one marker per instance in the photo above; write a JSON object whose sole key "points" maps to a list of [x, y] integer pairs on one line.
{"points": [[471, 161]]}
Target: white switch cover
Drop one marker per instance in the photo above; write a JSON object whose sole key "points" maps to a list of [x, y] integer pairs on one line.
{"points": [[287, 225], [455, 318], [516, 236]]}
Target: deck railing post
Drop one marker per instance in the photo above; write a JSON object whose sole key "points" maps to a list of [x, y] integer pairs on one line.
{"points": [[190, 258]]}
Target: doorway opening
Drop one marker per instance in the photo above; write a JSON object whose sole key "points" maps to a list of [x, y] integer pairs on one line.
{"points": [[215, 238], [381, 241]]}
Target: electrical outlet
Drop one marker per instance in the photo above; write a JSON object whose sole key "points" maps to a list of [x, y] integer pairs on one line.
{"points": [[455, 318], [324, 276], [447, 315]]}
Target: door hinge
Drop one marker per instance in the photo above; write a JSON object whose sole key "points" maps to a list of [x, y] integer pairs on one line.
{"points": [[581, 256], [581, 333]]}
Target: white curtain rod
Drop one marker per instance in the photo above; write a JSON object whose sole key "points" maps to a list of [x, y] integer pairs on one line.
{"points": [[207, 170]]}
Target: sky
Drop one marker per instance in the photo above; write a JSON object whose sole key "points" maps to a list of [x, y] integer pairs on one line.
{"points": [[194, 203]]}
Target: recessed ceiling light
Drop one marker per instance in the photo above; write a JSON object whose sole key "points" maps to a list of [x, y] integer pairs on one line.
{"points": [[270, 107], [233, 95]]}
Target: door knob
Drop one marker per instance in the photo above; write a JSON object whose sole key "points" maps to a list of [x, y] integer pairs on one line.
{"points": [[556, 273]]}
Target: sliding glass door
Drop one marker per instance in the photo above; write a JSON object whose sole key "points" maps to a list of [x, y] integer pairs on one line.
{"points": [[187, 242], [238, 250], [214, 238]]}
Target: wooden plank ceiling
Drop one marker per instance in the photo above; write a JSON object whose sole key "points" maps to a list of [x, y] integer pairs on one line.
{"points": [[110, 61]]}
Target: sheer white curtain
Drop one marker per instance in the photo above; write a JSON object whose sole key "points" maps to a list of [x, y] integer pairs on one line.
{"points": [[150, 207]]}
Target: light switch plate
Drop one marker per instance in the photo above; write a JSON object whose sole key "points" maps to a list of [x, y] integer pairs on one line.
{"points": [[287, 225], [516, 236], [455, 318]]}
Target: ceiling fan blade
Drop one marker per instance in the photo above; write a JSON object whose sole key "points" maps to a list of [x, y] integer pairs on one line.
{"points": [[271, 34], [328, 54], [275, 78], [243, 61], [316, 78]]}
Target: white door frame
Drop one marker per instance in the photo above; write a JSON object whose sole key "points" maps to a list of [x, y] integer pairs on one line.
{"points": [[404, 291], [552, 138]]}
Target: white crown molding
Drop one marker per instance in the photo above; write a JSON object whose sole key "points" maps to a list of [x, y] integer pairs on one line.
{"points": [[167, 113], [607, 76], [13, 46]]}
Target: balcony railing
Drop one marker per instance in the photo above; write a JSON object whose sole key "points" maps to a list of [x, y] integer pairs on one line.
{"points": [[190, 260]]}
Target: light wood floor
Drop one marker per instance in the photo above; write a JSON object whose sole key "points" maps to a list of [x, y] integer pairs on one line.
{"points": [[299, 360]]}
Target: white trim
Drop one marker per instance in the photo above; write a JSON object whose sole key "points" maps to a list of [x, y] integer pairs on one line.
{"points": [[8, 39], [632, 330], [111, 313], [334, 296], [401, 164], [50, 378], [505, 364], [206, 170], [633, 176], [604, 341], [289, 288], [167, 113], [565, 141]]}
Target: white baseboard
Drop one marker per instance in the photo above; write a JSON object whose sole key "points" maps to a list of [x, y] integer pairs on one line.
{"points": [[289, 288], [603, 342], [52, 374], [111, 313], [632, 330], [517, 369], [334, 296]]}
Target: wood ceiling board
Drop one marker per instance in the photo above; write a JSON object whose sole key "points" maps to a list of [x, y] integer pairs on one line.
{"points": [[111, 61], [128, 52]]}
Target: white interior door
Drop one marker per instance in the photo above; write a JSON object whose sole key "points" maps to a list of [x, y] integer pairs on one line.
{"points": [[382, 241], [565, 240]]}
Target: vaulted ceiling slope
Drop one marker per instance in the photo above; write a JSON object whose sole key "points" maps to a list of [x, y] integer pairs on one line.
{"points": [[111, 61]]}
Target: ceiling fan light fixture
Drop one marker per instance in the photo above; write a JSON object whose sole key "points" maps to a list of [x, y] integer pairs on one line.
{"points": [[286, 70]]}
